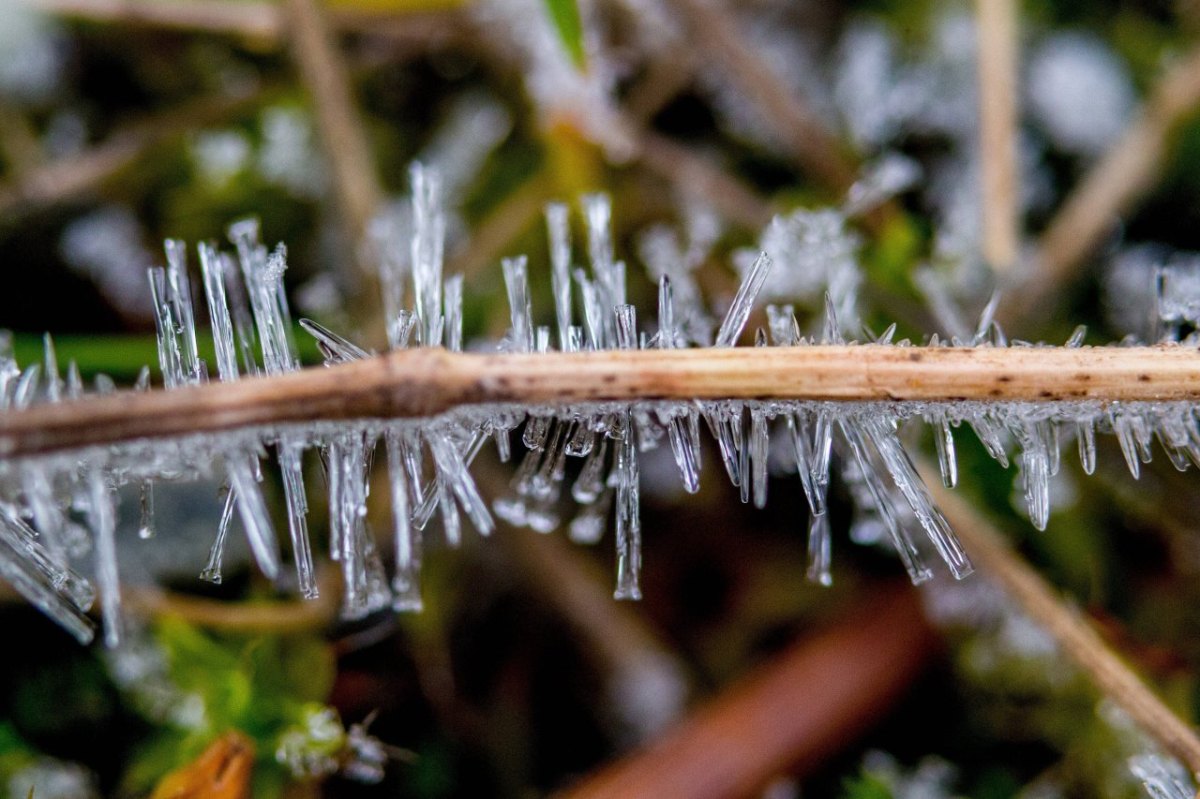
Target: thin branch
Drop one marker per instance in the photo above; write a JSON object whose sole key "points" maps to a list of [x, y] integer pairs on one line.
{"points": [[997, 26], [1075, 637], [801, 708], [1110, 188], [426, 382]]}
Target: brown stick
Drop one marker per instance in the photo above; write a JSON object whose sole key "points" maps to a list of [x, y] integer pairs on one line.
{"points": [[426, 382], [997, 24], [1109, 189], [1076, 638], [800, 709]]}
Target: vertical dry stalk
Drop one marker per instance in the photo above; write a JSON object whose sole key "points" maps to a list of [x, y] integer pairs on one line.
{"points": [[997, 24], [356, 181], [1075, 637]]}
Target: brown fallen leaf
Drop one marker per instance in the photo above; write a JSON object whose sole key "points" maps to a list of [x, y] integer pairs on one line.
{"points": [[222, 771]]}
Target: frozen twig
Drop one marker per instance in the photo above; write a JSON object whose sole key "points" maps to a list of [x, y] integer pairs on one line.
{"points": [[429, 381], [1076, 638], [997, 26]]}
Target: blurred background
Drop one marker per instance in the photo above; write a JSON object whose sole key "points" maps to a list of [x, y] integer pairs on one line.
{"points": [[124, 122]]}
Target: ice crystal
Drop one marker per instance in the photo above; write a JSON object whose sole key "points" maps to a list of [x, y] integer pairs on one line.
{"points": [[1163, 778], [54, 508]]}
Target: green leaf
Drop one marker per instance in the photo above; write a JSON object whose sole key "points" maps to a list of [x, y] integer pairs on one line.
{"points": [[865, 786], [565, 16]]}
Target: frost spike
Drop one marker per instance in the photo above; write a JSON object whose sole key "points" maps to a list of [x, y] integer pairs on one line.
{"points": [[253, 512], [516, 281], [406, 579], [559, 232], [743, 302], [819, 551], [104, 527], [212, 570]]}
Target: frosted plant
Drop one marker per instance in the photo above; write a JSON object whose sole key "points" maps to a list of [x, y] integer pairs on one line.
{"points": [[558, 88], [288, 153], [1079, 92], [930, 779], [793, 58], [31, 53], [1163, 777], [48, 778], [58, 500], [220, 155], [106, 245]]}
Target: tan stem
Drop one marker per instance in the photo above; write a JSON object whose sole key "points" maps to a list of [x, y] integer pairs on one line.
{"points": [[426, 382], [997, 23], [1076, 638]]}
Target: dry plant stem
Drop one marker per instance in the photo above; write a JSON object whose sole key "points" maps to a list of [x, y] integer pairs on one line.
{"points": [[276, 617], [251, 19], [797, 128], [802, 707], [997, 26], [426, 382], [696, 174], [66, 179], [1076, 638], [1109, 189], [355, 176]]}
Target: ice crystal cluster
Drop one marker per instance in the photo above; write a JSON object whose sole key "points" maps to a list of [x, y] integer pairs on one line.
{"points": [[56, 508]]}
